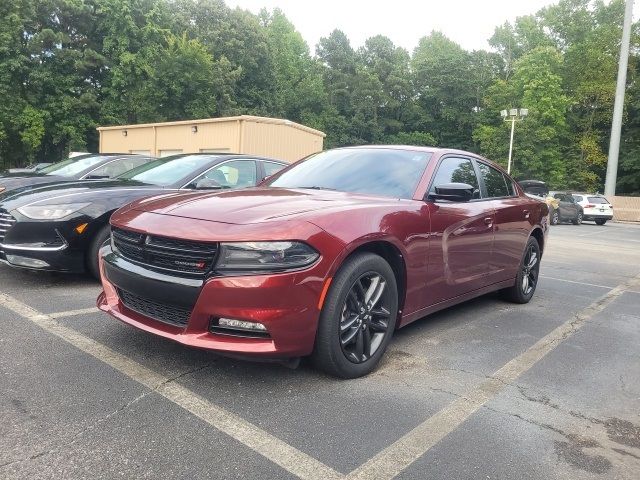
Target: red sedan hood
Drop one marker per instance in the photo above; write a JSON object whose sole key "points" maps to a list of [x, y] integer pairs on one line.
{"points": [[253, 205]]}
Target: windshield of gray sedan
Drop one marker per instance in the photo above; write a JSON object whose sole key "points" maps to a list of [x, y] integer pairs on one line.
{"points": [[168, 171], [72, 166], [376, 171]]}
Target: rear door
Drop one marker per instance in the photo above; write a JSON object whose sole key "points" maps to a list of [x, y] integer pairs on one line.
{"points": [[461, 235]]}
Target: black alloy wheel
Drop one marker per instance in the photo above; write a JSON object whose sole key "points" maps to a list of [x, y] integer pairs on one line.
{"points": [[526, 280], [530, 268], [365, 318], [92, 261], [358, 317]]}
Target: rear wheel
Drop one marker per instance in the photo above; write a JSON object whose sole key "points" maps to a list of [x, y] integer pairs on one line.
{"points": [[527, 277], [555, 217], [600, 221], [101, 237], [578, 219], [358, 317]]}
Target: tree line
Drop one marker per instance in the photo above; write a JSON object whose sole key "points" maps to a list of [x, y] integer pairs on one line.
{"points": [[68, 66]]}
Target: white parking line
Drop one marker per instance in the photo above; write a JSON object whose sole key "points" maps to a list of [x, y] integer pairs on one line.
{"points": [[73, 313], [279, 452], [577, 283], [398, 456], [589, 234]]}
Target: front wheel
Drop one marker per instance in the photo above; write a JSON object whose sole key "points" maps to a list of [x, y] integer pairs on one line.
{"points": [[555, 217], [600, 221], [358, 317], [98, 240], [527, 277], [578, 219]]}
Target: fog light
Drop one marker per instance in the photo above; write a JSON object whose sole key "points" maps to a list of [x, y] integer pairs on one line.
{"points": [[26, 262], [241, 324]]}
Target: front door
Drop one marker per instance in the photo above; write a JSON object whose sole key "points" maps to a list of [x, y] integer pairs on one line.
{"points": [[461, 235]]}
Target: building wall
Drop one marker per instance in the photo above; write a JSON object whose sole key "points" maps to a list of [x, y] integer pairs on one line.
{"points": [[113, 141], [267, 137], [219, 136], [626, 209], [279, 141]]}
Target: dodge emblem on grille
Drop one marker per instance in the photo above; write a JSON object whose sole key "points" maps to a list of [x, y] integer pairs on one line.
{"points": [[199, 265]]}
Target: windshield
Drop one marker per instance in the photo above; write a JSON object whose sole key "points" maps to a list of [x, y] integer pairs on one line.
{"points": [[72, 166], [377, 171], [598, 200], [169, 170]]}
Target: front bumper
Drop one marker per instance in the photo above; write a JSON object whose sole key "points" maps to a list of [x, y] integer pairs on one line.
{"points": [[285, 303], [38, 245], [597, 215]]}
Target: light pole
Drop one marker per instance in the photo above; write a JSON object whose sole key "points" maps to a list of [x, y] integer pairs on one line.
{"points": [[512, 115], [618, 105]]}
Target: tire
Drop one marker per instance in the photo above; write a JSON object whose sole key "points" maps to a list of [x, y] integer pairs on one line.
{"points": [[578, 219], [98, 240], [600, 221], [555, 217], [347, 327], [519, 293]]}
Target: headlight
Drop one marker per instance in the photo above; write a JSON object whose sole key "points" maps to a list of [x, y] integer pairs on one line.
{"points": [[51, 212], [265, 256]]}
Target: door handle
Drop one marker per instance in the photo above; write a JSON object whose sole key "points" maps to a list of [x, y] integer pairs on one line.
{"points": [[488, 220], [526, 213]]}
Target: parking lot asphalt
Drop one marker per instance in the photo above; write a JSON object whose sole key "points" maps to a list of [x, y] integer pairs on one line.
{"points": [[486, 389]]}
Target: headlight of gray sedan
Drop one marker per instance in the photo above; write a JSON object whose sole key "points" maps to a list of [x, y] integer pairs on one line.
{"points": [[51, 212], [264, 256]]}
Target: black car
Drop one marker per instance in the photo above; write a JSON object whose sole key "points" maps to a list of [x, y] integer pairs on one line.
{"points": [[91, 166], [564, 208], [61, 227]]}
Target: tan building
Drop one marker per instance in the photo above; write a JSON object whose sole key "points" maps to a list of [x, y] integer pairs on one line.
{"points": [[269, 137]]}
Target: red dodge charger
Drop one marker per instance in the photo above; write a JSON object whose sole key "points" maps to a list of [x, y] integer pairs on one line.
{"points": [[327, 258]]}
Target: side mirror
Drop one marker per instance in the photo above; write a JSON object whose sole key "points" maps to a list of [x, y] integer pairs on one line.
{"points": [[454, 192], [207, 184]]}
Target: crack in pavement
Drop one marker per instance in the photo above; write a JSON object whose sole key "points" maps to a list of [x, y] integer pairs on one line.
{"points": [[76, 436]]}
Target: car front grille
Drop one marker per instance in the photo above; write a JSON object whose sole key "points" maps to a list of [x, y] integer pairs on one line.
{"points": [[162, 312], [164, 253], [6, 222]]}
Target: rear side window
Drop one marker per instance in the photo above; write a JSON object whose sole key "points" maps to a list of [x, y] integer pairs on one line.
{"points": [[578, 198], [118, 167], [598, 200], [456, 170], [494, 181]]}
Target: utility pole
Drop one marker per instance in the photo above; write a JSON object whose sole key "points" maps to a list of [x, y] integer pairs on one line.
{"points": [[618, 106], [512, 115]]}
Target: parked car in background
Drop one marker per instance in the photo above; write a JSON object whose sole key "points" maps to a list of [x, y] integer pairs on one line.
{"points": [[81, 167], [564, 208], [534, 187], [35, 167], [61, 226], [326, 259], [596, 207]]}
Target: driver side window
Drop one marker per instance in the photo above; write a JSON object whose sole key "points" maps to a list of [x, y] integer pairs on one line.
{"points": [[233, 174]]}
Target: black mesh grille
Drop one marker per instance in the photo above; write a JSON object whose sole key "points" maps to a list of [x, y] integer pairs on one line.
{"points": [[6, 222], [163, 253], [163, 312]]}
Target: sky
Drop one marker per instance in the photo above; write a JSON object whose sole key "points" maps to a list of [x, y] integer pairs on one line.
{"points": [[470, 23]]}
